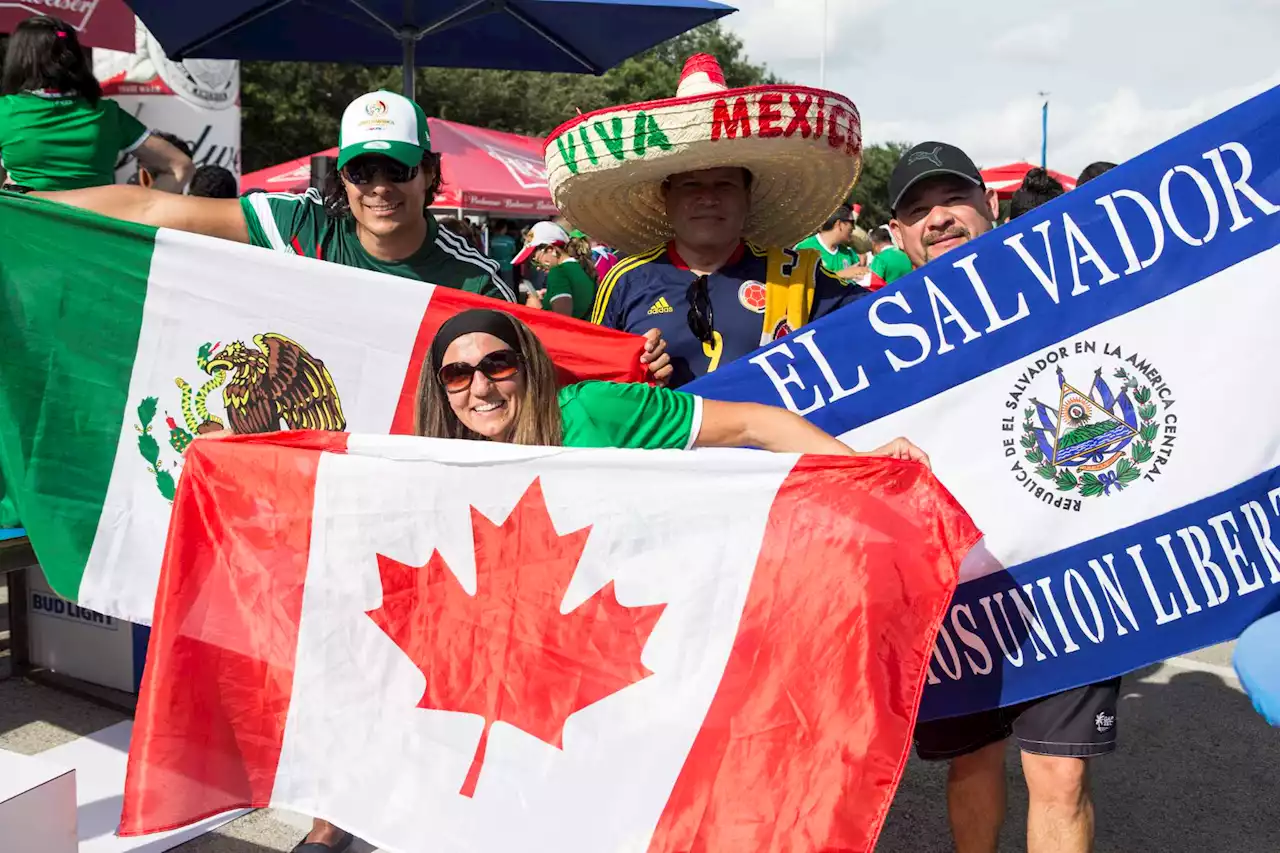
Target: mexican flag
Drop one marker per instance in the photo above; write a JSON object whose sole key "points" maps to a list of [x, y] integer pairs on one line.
{"points": [[448, 645], [123, 342]]}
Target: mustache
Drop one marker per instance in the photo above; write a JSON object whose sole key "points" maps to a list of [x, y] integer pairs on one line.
{"points": [[937, 236]]}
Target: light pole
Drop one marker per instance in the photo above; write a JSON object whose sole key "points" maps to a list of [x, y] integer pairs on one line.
{"points": [[1044, 131]]}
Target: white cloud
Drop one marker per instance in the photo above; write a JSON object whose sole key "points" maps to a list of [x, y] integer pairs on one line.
{"points": [[1040, 41], [1116, 129], [790, 34], [1122, 76], [1124, 126]]}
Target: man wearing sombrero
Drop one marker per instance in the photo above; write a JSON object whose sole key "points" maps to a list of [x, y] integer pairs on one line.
{"points": [[706, 191]]}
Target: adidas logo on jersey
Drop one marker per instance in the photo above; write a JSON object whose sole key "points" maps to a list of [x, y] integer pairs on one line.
{"points": [[662, 306]]}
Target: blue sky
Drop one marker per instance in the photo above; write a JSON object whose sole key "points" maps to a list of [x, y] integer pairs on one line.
{"points": [[1123, 75]]}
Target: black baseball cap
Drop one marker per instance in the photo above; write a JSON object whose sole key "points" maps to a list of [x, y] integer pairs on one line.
{"points": [[929, 160]]}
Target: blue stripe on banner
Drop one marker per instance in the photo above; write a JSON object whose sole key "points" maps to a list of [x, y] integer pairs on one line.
{"points": [[1190, 578], [851, 367], [1167, 220]]}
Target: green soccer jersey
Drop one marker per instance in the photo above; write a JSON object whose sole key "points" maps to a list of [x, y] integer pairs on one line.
{"points": [[299, 224], [502, 248], [841, 259], [571, 280], [629, 415], [50, 141], [888, 266]]}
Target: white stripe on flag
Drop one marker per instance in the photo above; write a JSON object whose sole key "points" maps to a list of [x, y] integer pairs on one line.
{"points": [[358, 749], [1217, 422]]}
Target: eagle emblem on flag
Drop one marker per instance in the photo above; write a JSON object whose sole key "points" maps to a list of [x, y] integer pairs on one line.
{"points": [[273, 384]]}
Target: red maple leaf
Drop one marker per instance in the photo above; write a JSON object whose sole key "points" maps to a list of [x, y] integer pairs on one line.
{"points": [[507, 653]]}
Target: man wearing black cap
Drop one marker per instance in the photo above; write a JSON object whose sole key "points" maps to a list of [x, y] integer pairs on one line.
{"points": [[939, 202]]}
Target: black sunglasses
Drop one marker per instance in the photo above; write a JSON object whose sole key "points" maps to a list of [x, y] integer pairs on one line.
{"points": [[701, 317], [365, 170], [497, 366]]}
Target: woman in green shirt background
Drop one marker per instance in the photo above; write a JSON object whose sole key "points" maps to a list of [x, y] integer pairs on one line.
{"points": [[57, 132], [571, 270], [487, 377]]}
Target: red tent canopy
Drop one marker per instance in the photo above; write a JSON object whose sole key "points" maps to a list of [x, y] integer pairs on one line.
{"points": [[1006, 179], [484, 170]]}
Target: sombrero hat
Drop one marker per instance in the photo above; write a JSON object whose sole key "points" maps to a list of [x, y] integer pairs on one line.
{"points": [[803, 147]]}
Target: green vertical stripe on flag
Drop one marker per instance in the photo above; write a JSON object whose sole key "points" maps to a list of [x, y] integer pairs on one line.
{"points": [[73, 286]]}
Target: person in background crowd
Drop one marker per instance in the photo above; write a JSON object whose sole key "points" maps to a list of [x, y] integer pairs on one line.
{"points": [[532, 278], [1093, 170], [859, 239], [175, 140], [502, 248], [57, 132], [833, 242], [939, 202], [144, 177], [1038, 186], [571, 282], [1258, 668], [602, 256], [712, 289], [463, 229], [212, 181], [888, 262]]}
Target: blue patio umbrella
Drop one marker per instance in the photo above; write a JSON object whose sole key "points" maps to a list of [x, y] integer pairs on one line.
{"points": [[583, 36]]}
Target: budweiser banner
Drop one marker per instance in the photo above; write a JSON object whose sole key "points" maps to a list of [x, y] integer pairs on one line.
{"points": [[199, 99], [99, 23]]}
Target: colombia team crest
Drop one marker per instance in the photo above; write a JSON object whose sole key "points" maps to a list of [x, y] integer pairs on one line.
{"points": [[753, 296], [272, 385], [1093, 421]]}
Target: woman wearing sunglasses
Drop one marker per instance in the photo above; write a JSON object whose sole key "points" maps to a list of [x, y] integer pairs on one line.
{"points": [[487, 377]]}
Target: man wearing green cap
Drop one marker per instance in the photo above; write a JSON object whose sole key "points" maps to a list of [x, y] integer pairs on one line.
{"points": [[375, 219]]}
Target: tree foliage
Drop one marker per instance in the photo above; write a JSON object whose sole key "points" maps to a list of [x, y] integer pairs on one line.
{"points": [[293, 109], [872, 191]]}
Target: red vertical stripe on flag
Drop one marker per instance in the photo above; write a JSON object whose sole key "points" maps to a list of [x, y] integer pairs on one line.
{"points": [[580, 350], [810, 728], [219, 674]]}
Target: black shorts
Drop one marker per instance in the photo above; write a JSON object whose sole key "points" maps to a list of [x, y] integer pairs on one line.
{"points": [[1079, 723]]}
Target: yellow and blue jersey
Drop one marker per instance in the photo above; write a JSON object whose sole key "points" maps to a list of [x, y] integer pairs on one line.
{"points": [[649, 290]]}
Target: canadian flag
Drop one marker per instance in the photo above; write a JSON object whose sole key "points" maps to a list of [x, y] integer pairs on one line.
{"points": [[468, 646]]}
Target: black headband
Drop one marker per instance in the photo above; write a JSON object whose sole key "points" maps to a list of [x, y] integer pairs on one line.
{"points": [[496, 323]]}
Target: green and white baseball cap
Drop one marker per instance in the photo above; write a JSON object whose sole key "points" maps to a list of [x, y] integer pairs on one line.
{"points": [[383, 123]]}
